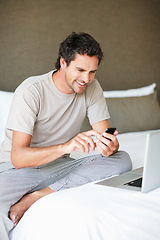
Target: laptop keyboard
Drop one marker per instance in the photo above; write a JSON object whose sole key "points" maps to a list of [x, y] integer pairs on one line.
{"points": [[135, 183]]}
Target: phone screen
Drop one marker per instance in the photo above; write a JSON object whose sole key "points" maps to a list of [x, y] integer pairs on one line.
{"points": [[110, 130]]}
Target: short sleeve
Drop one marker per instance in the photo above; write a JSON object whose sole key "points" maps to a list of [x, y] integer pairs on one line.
{"points": [[97, 109], [24, 111]]}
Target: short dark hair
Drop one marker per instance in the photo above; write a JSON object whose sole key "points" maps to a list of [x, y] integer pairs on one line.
{"points": [[81, 43]]}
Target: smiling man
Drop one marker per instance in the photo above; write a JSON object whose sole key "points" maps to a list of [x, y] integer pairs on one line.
{"points": [[76, 76], [43, 129]]}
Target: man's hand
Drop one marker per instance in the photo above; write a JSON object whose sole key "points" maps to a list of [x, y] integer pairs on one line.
{"points": [[107, 143], [82, 142]]}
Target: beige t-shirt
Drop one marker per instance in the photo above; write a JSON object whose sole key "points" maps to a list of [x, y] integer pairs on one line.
{"points": [[50, 116]]}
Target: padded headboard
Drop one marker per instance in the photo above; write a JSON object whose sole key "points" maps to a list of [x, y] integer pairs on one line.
{"points": [[128, 31]]}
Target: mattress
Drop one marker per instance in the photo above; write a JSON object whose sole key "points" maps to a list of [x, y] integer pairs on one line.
{"points": [[94, 212]]}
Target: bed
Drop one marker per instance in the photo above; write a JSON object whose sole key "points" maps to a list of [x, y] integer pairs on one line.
{"points": [[92, 212], [96, 212]]}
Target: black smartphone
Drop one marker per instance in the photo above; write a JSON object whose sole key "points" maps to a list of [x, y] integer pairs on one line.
{"points": [[110, 130]]}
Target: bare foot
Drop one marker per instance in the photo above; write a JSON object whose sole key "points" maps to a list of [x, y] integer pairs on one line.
{"points": [[17, 210]]}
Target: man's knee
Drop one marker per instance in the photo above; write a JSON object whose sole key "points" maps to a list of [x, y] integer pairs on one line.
{"points": [[125, 160]]}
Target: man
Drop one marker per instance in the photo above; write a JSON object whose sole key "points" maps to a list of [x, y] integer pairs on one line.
{"points": [[43, 130]]}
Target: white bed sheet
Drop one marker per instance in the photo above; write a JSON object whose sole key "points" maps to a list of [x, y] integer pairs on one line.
{"points": [[96, 212], [134, 143], [92, 212]]}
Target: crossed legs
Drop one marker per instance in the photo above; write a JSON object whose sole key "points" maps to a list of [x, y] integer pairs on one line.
{"points": [[95, 168]]}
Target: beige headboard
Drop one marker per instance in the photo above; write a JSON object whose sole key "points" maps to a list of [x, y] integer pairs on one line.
{"points": [[128, 31]]}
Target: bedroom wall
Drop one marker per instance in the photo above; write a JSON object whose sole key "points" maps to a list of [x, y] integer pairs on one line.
{"points": [[128, 30]]}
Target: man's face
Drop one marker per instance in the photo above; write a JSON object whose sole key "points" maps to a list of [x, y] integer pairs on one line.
{"points": [[79, 73]]}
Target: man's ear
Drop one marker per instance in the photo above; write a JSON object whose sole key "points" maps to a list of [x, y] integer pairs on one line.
{"points": [[63, 63]]}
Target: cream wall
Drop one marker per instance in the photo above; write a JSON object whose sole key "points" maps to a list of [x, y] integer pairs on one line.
{"points": [[128, 30]]}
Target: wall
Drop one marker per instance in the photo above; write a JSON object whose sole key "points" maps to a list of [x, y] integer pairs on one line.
{"points": [[128, 31]]}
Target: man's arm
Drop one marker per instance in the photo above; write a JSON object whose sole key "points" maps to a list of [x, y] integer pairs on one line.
{"points": [[22, 155], [105, 146]]}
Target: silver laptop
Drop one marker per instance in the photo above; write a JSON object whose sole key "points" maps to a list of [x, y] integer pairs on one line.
{"points": [[142, 179]]}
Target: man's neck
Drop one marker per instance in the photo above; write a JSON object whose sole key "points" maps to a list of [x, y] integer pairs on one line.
{"points": [[58, 79]]}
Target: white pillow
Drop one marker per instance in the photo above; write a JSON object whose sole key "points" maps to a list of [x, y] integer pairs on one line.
{"points": [[5, 104], [144, 91]]}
